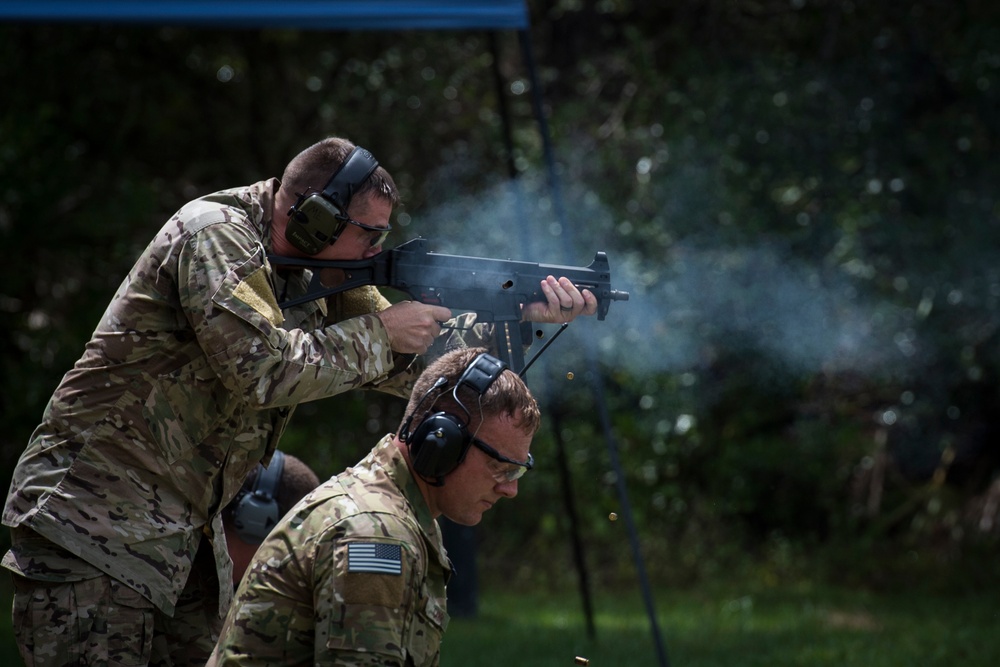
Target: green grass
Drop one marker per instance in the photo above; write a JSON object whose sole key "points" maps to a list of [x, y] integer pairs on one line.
{"points": [[723, 625], [729, 627]]}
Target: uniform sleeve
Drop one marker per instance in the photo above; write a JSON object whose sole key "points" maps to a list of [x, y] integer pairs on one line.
{"points": [[367, 584], [340, 597], [334, 586], [225, 288], [327, 592]]}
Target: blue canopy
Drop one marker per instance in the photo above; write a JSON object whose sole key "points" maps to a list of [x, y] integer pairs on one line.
{"points": [[318, 14]]}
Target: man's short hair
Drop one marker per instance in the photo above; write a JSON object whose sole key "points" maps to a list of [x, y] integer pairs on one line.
{"points": [[311, 169], [508, 395]]}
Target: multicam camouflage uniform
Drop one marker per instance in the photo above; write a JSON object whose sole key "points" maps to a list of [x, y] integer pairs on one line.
{"points": [[187, 382], [353, 575]]}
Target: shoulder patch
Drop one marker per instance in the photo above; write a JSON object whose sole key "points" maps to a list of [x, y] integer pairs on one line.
{"points": [[375, 575], [374, 557], [255, 291]]}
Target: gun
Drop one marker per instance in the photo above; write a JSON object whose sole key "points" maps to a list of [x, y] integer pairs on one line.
{"points": [[494, 289]]}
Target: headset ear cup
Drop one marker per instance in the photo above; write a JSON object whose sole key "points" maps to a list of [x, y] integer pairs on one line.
{"points": [[438, 445], [317, 219], [313, 224], [254, 518], [257, 510], [440, 442]]}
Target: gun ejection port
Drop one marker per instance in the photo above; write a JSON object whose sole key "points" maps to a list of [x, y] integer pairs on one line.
{"points": [[507, 284]]}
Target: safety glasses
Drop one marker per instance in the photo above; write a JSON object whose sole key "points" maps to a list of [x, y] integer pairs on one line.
{"points": [[377, 235], [507, 474]]}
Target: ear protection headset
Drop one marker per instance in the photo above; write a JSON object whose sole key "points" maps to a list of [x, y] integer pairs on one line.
{"points": [[318, 218], [441, 440], [257, 511]]}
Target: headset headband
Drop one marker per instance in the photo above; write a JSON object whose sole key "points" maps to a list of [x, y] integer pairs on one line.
{"points": [[358, 166]]}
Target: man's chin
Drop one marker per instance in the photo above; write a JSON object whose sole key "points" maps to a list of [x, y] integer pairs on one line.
{"points": [[466, 519]]}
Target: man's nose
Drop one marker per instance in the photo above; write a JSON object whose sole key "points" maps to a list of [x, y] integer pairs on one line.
{"points": [[507, 489]]}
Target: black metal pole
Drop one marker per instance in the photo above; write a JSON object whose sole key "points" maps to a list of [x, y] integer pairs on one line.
{"points": [[583, 575], [626, 507], [498, 84], [597, 379]]}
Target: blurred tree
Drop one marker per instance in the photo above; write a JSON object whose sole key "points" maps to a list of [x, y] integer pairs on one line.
{"points": [[798, 195]]}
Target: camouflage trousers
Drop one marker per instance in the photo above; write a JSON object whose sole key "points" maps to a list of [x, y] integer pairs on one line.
{"points": [[101, 621]]}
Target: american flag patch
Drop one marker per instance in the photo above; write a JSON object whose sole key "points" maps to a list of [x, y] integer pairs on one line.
{"points": [[375, 557]]}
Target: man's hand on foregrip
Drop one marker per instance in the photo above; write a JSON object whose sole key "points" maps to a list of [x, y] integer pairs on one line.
{"points": [[563, 302]]}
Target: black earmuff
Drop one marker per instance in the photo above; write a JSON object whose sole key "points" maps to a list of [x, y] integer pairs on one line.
{"points": [[257, 511], [441, 440], [317, 218], [438, 445]]}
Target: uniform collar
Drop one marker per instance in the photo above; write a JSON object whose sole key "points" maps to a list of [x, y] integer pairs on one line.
{"points": [[264, 192]]}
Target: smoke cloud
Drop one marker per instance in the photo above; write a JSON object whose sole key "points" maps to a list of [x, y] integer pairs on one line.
{"points": [[694, 296]]}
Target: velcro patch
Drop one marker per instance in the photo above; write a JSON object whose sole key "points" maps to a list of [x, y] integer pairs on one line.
{"points": [[374, 575], [255, 291]]}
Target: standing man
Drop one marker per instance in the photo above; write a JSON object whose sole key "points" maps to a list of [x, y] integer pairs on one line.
{"points": [[355, 573], [118, 551]]}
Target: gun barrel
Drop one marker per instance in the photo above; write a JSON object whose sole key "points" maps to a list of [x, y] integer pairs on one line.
{"points": [[618, 295]]}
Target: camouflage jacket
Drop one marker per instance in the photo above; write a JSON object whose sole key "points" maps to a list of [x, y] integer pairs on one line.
{"points": [[186, 384], [353, 575]]}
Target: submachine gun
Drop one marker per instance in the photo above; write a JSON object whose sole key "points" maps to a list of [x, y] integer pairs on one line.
{"points": [[494, 289]]}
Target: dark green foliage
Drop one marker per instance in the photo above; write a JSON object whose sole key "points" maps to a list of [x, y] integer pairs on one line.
{"points": [[799, 196]]}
